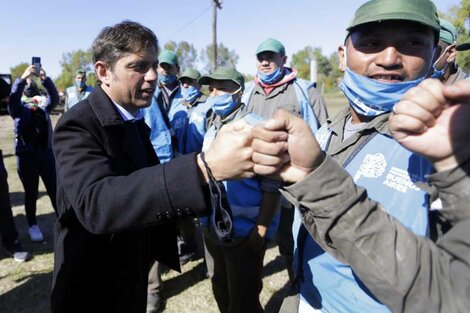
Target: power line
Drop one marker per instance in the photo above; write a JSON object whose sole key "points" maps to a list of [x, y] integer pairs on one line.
{"points": [[190, 22]]}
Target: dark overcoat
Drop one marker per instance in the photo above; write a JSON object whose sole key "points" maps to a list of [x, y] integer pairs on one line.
{"points": [[117, 209]]}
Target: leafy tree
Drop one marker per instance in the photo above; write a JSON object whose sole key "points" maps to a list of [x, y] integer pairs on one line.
{"points": [[331, 82], [225, 57], [463, 24], [71, 62], [187, 55], [18, 70], [301, 62]]}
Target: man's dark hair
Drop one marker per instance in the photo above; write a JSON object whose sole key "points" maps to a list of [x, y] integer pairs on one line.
{"points": [[125, 37]]}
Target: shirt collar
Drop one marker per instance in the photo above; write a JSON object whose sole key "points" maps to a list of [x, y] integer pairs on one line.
{"points": [[126, 116]]}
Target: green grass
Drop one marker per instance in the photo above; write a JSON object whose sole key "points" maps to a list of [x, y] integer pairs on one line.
{"points": [[25, 287]]}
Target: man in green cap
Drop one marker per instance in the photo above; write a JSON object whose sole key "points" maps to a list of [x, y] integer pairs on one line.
{"points": [[277, 86], [237, 267], [445, 67], [78, 92], [407, 272], [167, 104], [167, 118], [194, 100], [389, 48]]}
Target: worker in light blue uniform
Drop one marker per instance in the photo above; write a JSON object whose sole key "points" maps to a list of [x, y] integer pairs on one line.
{"points": [[359, 139], [198, 109], [238, 261], [167, 116], [78, 92]]}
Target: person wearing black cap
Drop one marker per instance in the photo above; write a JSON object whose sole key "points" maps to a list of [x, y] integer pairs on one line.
{"points": [[389, 48], [33, 140], [445, 67], [8, 232], [78, 92]]}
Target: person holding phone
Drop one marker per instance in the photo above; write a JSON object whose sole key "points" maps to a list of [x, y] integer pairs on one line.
{"points": [[33, 133]]}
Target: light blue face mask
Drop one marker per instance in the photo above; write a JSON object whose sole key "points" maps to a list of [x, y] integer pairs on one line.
{"points": [[271, 78], [438, 73], [190, 93], [167, 79], [369, 97], [80, 83], [222, 105]]}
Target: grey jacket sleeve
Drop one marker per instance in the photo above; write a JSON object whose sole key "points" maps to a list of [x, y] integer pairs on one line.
{"points": [[406, 272]]}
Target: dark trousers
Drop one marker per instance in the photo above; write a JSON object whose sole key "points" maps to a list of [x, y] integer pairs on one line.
{"points": [[8, 230], [31, 166], [237, 275], [284, 237]]}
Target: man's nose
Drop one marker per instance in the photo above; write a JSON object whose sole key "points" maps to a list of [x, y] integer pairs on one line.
{"points": [[388, 57]]}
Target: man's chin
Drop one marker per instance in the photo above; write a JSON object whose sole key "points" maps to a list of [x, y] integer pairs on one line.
{"points": [[143, 103]]}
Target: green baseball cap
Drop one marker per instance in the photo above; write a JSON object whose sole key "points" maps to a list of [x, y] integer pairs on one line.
{"points": [[190, 73], [419, 11], [464, 45], [448, 33], [273, 45], [224, 73], [169, 57]]}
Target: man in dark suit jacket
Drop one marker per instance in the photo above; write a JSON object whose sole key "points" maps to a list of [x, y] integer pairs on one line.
{"points": [[117, 206]]}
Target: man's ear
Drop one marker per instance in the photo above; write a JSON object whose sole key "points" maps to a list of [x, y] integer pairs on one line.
{"points": [[342, 58], [102, 72], [452, 53]]}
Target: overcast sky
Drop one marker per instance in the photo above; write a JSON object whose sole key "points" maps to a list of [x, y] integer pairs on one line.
{"points": [[50, 28]]}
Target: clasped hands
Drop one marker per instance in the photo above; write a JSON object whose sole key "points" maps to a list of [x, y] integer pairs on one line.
{"points": [[431, 119]]}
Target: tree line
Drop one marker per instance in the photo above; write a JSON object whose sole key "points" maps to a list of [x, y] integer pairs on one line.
{"points": [[328, 73]]}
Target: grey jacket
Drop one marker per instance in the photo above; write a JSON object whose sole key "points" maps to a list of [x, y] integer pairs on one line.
{"points": [[406, 272]]}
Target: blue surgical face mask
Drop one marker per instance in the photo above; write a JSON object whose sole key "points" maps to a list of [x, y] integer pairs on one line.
{"points": [[369, 97], [270, 78], [438, 73], [80, 83], [190, 93], [167, 79], [224, 104]]}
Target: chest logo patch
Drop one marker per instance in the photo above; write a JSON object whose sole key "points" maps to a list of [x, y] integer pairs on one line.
{"points": [[373, 166]]}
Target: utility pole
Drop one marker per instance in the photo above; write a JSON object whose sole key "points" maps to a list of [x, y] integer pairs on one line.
{"points": [[216, 4]]}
